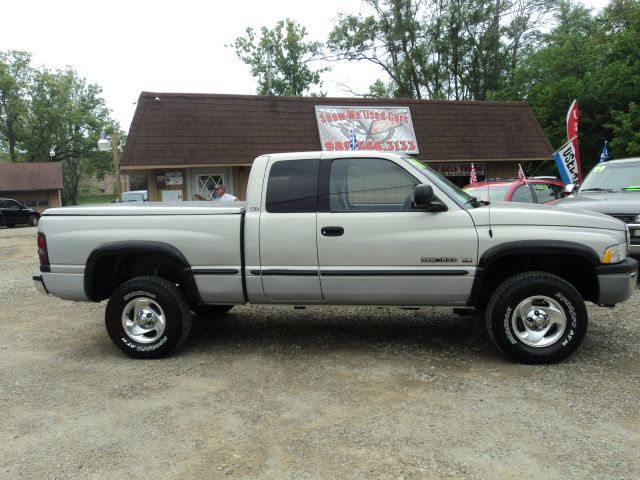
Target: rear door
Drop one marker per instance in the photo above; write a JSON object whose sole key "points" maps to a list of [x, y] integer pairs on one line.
{"points": [[374, 249], [288, 248]]}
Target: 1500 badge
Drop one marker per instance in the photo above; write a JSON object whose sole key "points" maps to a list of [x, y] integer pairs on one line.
{"points": [[445, 260]]}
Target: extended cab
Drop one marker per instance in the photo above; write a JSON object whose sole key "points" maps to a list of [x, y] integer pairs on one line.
{"points": [[352, 228]]}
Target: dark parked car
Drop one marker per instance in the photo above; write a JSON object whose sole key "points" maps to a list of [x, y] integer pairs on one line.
{"points": [[612, 188], [14, 213], [535, 190]]}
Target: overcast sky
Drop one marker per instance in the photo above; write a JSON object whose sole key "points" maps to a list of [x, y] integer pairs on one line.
{"points": [[167, 46]]}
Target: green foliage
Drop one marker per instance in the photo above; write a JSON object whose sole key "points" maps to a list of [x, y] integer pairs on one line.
{"points": [[441, 49], [291, 74], [41, 110], [94, 199], [15, 75], [593, 59], [626, 130]]}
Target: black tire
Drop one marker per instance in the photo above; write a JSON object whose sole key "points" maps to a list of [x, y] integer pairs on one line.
{"points": [[11, 225], [33, 220], [160, 305], [211, 311], [554, 325]]}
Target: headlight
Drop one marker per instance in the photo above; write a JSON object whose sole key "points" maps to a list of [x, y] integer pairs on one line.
{"points": [[636, 219], [615, 253]]}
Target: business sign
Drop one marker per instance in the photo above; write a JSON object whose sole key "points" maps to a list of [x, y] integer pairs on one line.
{"points": [[386, 129], [173, 178], [458, 169]]}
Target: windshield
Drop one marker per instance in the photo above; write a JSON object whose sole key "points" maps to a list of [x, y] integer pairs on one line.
{"points": [[613, 177], [496, 193], [452, 190], [132, 197]]}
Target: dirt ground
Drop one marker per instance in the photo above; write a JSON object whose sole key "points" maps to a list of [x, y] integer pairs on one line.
{"points": [[306, 394]]}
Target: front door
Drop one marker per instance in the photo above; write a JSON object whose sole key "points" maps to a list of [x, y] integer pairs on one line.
{"points": [[374, 249]]}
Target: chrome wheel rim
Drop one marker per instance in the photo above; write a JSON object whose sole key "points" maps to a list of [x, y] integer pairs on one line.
{"points": [[143, 320], [539, 321]]}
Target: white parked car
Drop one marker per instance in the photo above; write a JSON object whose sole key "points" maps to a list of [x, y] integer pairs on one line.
{"points": [[135, 196]]}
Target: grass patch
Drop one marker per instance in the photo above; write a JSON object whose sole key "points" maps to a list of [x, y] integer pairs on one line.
{"points": [[96, 198]]}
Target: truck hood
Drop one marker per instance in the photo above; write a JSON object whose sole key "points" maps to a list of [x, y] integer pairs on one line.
{"points": [[512, 213], [151, 208], [605, 202]]}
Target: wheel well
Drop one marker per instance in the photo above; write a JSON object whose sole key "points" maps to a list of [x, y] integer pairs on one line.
{"points": [[109, 271], [575, 269]]}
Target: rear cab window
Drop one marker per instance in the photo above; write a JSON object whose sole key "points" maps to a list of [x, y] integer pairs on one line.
{"points": [[292, 186]]}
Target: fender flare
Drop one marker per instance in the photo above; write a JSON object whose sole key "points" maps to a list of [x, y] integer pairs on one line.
{"points": [[523, 248], [140, 247]]}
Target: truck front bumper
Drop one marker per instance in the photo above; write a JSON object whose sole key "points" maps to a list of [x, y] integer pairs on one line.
{"points": [[617, 282], [39, 284]]}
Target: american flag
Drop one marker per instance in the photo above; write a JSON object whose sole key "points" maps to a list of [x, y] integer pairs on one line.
{"points": [[353, 141], [521, 175], [473, 178]]}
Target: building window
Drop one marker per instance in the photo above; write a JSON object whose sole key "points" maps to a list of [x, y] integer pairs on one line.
{"points": [[206, 185]]}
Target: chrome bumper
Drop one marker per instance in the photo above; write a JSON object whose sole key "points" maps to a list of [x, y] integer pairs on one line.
{"points": [[617, 282], [39, 284]]}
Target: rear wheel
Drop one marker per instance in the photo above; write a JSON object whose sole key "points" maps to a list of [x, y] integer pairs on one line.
{"points": [[536, 317], [148, 317]]}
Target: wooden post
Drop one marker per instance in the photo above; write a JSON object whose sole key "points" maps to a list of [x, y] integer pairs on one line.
{"points": [[116, 165]]}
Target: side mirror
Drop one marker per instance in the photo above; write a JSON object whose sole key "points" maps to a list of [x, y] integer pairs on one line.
{"points": [[568, 189], [423, 199]]}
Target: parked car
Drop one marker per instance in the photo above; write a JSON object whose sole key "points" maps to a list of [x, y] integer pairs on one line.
{"points": [[612, 188], [535, 190], [135, 196], [13, 213]]}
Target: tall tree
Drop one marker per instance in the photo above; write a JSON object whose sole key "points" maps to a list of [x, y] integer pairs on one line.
{"points": [[15, 76], [458, 49], [291, 73], [68, 114], [593, 59]]}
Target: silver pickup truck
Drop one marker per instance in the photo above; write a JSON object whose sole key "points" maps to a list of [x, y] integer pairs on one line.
{"points": [[343, 228]]}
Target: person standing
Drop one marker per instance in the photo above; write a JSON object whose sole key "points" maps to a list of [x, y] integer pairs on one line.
{"points": [[222, 196]]}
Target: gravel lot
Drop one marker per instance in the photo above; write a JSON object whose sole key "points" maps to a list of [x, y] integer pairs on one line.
{"points": [[317, 393]]}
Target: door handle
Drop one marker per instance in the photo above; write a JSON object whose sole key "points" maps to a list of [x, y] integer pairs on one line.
{"points": [[332, 231]]}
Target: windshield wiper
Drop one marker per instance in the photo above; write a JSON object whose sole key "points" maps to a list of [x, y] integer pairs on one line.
{"points": [[596, 189]]}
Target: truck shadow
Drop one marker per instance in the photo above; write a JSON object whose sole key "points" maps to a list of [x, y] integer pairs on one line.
{"points": [[336, 329]]}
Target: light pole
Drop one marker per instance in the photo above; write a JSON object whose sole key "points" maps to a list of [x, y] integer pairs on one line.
{"points": [[52, 153], [103, 146]]}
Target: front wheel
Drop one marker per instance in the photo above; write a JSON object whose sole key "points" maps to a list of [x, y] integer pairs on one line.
{"points": [[148, 317], [33, 221], [536, 317]]}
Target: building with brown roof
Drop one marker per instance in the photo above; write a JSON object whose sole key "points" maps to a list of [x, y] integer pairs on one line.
{"points": [[37, 185], [187, 143]]}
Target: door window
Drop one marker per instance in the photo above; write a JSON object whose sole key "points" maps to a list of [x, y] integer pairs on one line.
{"points": [[545, 192], [369, 185], [522, 194]]}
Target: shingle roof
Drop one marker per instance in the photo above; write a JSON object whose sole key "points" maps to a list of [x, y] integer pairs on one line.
{"points": [[17, 177], [198, 129]]}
